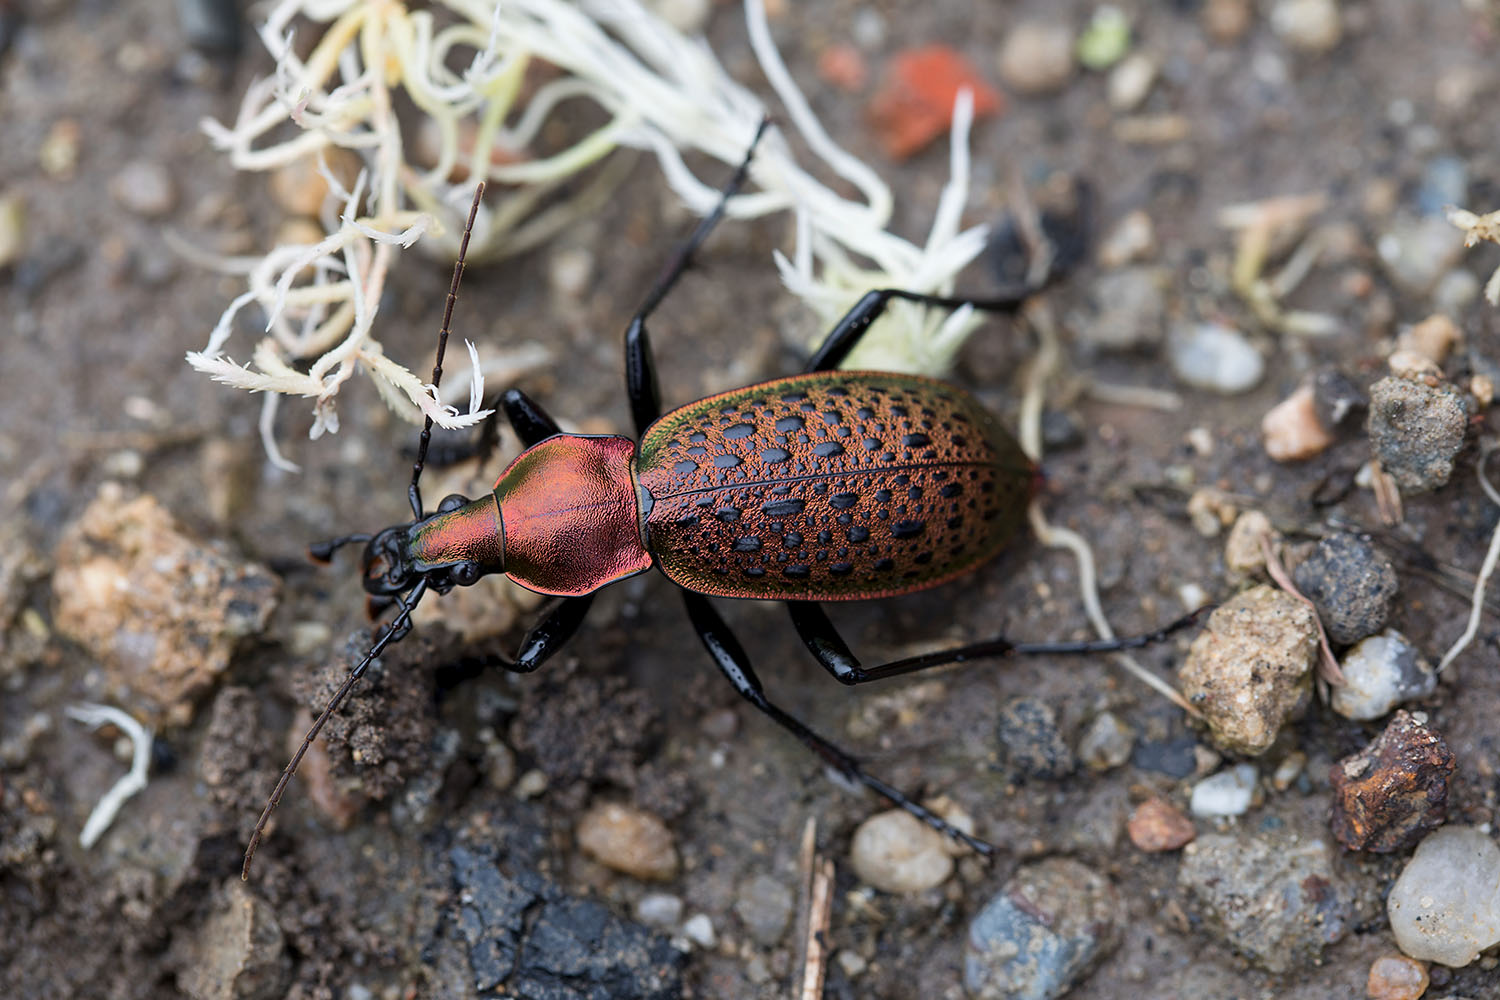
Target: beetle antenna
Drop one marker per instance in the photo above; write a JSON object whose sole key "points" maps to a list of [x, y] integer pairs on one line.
{"points": [[414, 492], [394, 632]]}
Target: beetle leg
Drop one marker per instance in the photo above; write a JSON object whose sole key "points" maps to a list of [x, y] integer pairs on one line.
{"points": [[856, 322], [823, 640], [729, 656], [640, 368], [531, 423], [545, 638]]}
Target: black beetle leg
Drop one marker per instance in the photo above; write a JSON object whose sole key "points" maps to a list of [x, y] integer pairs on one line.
{"points": [[823, 640], [729, 656], [546, 637], [640, 367], [847, 332]]}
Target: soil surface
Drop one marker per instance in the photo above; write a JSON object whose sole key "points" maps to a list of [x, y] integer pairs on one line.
{"points": [[411, 808]]}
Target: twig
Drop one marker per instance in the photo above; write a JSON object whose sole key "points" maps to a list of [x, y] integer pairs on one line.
{"points": [[817, 887], [109, 805]]}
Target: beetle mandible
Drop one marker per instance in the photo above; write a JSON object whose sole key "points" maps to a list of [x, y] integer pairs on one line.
{"points": [[828, 485]]}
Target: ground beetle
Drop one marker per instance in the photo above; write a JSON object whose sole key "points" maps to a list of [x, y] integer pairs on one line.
{"points": [[824, 486]]}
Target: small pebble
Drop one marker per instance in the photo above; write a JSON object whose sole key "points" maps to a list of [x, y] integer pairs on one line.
{"points": [[1455, 291], [1276, 898], [1250, 671], [1052, 923], [1243, 554], [1445, 183], [1215, 358], [1210, 511], [1445, 906], [1036, 58], [1337, 398], [1396, 977], [58, 154], [659, 909], [1291, 429], [896, 852], [1106, 40], [1289, 770], [628, 840], [1308, 25], [145, 188], [764, 906], [1127, 310], [1030, 741], [699, 929], [1417, 250], [1130, 81], [1393, 791], [1381, 672], [1433, 338], [12, 229], [570, 273], [1131, 239], [1228, 793], [1157, 825], [530, 784], [1106, 743], [843, 66], [1351, 584], [299, 187], [851, 962], [1226, 20], [1416, 430]]}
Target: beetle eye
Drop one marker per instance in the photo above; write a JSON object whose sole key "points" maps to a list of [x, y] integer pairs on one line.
{"points": [[452, 501], [465, 574]]}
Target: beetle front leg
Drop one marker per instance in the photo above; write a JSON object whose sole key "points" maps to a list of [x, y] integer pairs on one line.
{"points": [[729, 656], [546, 637], [830, 650]]}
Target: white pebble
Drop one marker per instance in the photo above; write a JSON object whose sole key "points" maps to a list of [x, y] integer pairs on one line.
{"points": [[1131, 81], [1037, 58], [1216, 358], [1380, 673], [659, 909], [1228, 793], [896, 852], [1307, 25], [1445, 907], [699, 929]]}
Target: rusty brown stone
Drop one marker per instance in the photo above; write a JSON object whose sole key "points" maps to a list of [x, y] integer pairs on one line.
{"points": [[1157, 825], [1393, 791]]}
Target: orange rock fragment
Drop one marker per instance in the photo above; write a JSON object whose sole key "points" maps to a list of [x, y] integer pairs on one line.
{"points": [[1157, 825], [1396, 977], [915, 103]]}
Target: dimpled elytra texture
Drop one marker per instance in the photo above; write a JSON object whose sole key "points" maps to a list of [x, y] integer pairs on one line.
{"points": [[830, 486]]}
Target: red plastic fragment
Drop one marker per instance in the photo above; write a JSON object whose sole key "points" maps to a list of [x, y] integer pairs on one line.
{"points": [[915, 103]]}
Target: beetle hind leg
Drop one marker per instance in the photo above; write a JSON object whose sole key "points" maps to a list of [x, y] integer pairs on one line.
{"points": [[830, 650], [729, 656]]}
